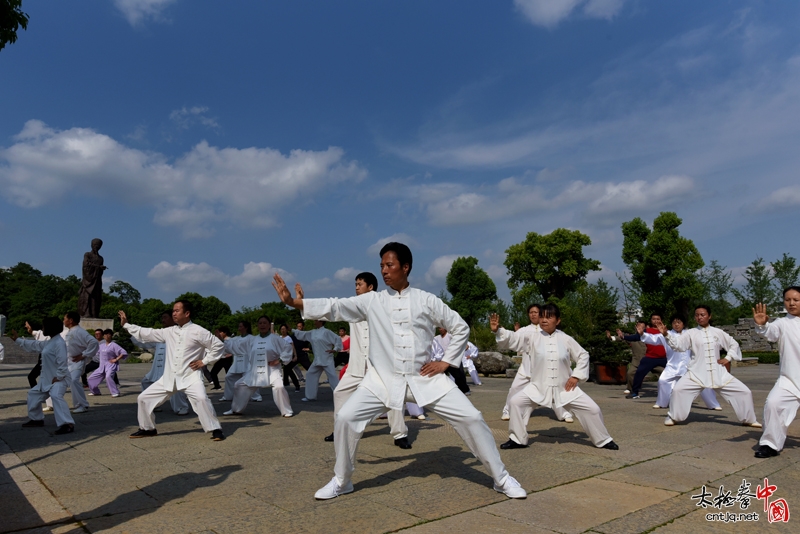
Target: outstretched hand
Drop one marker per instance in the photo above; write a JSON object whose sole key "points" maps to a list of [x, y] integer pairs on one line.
{"points": [[123, 319], [28, 327], [285, 295], [494, 322], [760, 314], [640, 328], [663, 329]]}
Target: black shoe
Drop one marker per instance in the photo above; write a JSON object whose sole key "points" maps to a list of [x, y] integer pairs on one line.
{"points": [[632, 396], [65, 429], [217, 435], [329, 438], [764, 451], [142, 433], [402, 443], [32, 424], [611, 446], [511, 444]]}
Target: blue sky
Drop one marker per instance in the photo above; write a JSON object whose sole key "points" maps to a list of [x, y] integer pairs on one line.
{"points": [[210, 144]]}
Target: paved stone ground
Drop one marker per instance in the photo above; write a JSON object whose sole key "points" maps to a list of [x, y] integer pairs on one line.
{"points": [[263, 477]]}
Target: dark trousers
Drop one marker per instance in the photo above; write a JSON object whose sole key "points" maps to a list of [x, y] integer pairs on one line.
{"points": [[289, 374], [91, 367], [458, 375], [35, 372], [645, 366], [213, 375], [341, 358]]}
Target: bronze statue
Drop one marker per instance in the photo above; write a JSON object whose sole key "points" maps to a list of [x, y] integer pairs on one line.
{"points": [[91, 293]]}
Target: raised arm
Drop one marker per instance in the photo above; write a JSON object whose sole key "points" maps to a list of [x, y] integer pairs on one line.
{"points": [[771, 331], [31, 345], [237, 345], [285, 295], [507, 340]]}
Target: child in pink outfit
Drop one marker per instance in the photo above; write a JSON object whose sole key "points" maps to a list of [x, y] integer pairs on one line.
{"points": [[110, 354]]}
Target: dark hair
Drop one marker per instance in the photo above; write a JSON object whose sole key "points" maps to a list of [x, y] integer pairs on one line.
{"points": [[74, 316], [791, 288], [52, 326], [264, 317], [166, 312], [402, 251], [368, 279], [247, 326], [98, 330], [187, 306], [108, 331], [678, 317], [283, 325], [705, 307], [225, 330], [550, 310], [656, 314], [534, 305]]}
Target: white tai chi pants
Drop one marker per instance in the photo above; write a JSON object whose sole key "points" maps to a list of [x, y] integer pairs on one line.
{"points": [[60, 407], [363, 406], [312, 378], [242, 393], [665, 386], [73, 381], [517, 385], [230, 388], [345, 389], [179, 402], [585, 409], [779, 412], [157, 394], [735, 392]]}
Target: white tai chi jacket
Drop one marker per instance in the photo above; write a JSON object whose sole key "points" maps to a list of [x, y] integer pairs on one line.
{"points": [[159, 351], [54, 360], [359, 349], [677, 362], [400, 334], [548, 362], [185, 344], [786, 331], [322, 340], [705, 344], [259, 352], [79, 343], [240, 357]]}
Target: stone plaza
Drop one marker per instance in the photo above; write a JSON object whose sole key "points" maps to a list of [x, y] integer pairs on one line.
{"points": [[263, 477]]}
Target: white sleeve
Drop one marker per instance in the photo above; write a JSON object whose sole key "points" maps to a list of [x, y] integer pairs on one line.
{"points": [[771, 331]]}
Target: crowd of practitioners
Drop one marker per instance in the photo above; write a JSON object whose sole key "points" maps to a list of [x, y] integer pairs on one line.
{"points": [[405, 351]]}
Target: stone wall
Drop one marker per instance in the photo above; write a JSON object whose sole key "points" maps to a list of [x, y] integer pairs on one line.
{"points": [[745, 333], [14, 354]]}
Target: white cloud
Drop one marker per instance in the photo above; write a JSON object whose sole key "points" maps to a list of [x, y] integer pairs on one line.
{"points": [[185, 118], [202, 187], [439, 268], [185, 276], [376, 247], [549, 13], [346, 274], [785, 197], [322, 284], [137, 11]]}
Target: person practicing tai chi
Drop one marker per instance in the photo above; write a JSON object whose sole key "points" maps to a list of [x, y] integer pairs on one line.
{"points": [[110, 355], [324, 344], [189, 348], [239, 366], [707, 370], [178, 402], [676, 365], [401, 321], [53, 378], [469, 366], [264, 354], [521, 379], [784, 399], [654, 356], [357, 368], [548, 362]]}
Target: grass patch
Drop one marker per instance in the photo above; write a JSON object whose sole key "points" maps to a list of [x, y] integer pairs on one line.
{"points": [[763, 357]]}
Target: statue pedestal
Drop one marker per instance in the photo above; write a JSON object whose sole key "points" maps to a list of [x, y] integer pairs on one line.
{"points": [[92, 324]]}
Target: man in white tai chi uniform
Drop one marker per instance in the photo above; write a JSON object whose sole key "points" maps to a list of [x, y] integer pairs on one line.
{"points": [[179, 402], [263, 354], [401, 321], [189, 348], [520, 379], [53, 380], [239, 366], [784, 399], [549, 354], [707, 370], [358, 365], [323, 344]]}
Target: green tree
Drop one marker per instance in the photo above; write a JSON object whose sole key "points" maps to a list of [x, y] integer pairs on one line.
{"points": [[208, 311], [786, 273], [663, 265], [11, 19], [757, 287], [547, 266], [717, 282], [471, 288], [126, 292]]}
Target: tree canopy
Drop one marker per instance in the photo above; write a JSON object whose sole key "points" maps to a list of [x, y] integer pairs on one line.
{"points": [[11, 19], [471, 288]]}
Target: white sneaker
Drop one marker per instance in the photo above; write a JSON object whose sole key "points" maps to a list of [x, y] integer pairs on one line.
{"points": [[47, 409], [80, 409], [669, 422], [754, 425], [718, 408], [333, 489], [656, 407], [288, 415], [505, 416], [511, 488], [568, 419], [256, 399], [627, 392], [230, 412], [304, 399], [421, 417], [115, 395]]}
